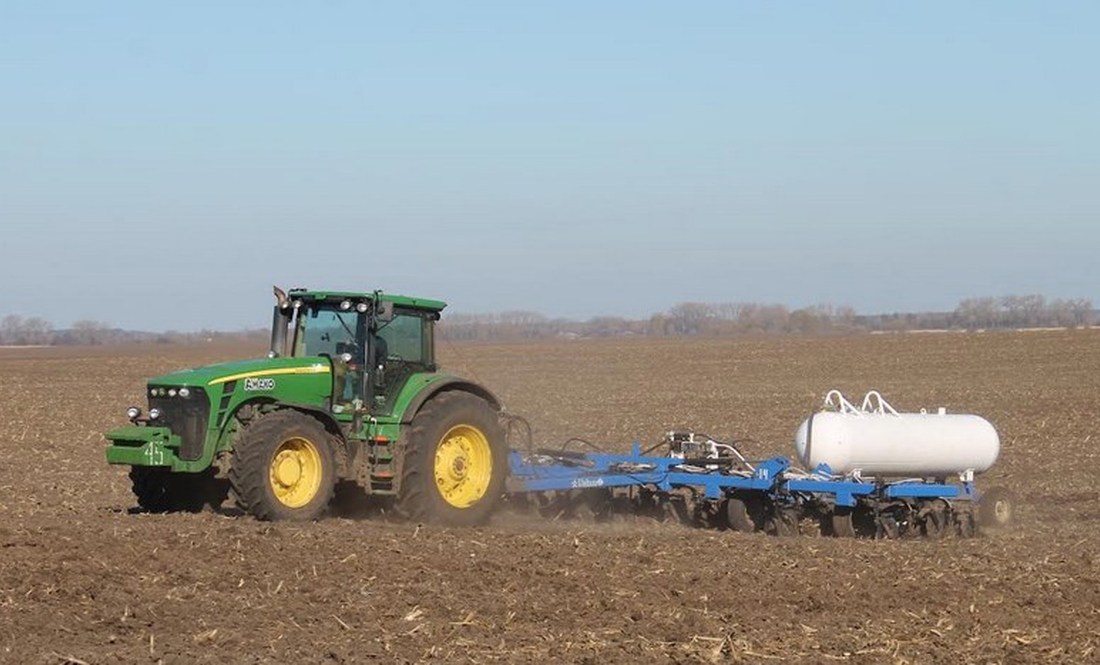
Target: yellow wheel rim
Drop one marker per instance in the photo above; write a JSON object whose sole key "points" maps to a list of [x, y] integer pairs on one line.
{"points": [[463, 466], [296, 472]]}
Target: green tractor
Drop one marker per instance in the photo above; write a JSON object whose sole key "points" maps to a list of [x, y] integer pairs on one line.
{"points": [[349, 394]]}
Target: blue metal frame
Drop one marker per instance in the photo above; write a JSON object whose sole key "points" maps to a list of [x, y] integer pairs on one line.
{"points": [[600, 470]]}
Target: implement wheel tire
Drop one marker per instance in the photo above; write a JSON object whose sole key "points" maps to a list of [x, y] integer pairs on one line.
{"points": [[283, 467], [996, 508], [454, 462]]}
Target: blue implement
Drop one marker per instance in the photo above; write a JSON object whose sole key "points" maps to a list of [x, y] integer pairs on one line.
{"points": [[770, 494]]}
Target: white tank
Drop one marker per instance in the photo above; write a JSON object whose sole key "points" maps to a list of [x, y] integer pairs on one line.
{"points": [[876, 440]]}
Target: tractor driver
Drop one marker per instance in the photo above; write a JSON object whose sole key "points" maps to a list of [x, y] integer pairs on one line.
{"points": [[348, 375]]}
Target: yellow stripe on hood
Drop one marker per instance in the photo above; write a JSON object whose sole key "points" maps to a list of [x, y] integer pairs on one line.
{"points": [[308, 369]]}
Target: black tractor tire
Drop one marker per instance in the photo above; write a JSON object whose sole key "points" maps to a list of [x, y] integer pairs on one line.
{"points": [[996, 508], [152, 487], [283, 467], [159, 490], [453, 425]]}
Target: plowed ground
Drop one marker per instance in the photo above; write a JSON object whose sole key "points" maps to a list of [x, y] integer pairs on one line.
{"points": [[83, 579]]}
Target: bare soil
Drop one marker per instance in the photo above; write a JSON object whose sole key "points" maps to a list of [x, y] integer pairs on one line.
{"points": [[84, 579]]}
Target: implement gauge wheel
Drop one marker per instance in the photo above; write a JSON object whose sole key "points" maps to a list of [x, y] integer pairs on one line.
{"points": [[455, 460], [996, 508], [283, 467]]}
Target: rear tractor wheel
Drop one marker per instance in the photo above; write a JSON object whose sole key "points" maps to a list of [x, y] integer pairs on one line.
{"points": [[283, 467], [455, 460]]}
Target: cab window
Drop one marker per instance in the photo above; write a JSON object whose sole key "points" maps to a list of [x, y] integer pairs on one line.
{"points": [[406, 340], [329, 332]]}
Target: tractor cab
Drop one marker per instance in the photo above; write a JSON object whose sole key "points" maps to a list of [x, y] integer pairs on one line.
{"points": [[375, 342]]}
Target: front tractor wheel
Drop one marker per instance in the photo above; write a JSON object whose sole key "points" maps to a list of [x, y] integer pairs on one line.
{"points": [[455, 460], [152, 487], [283, 467], [158, 490]]}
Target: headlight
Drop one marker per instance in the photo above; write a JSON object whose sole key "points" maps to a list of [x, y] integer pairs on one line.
{"points": [[133, 413], [361, 307], [154, 413], [185, 392], [171, 392], [345, 305]]}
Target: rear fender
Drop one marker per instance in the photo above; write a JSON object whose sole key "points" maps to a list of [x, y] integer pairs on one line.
{"points": [[446, 385]]}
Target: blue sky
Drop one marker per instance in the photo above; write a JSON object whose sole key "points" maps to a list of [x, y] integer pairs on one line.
{"points": [[161, 165]]}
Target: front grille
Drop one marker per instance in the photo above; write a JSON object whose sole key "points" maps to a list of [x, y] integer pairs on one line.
{"points": [[188, 418]]}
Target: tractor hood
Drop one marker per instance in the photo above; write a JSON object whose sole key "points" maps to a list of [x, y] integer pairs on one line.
{"points": [[244, 369]]}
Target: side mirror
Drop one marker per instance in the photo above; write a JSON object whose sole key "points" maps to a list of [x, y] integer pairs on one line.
{"points": [[383, 310]]}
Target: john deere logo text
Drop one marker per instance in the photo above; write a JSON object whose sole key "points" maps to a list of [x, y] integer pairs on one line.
{"points": [[259, 384]]}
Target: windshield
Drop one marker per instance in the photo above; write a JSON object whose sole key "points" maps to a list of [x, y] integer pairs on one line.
{"points": [[328, 331]]}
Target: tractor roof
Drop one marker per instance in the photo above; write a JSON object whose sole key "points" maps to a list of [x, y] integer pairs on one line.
{"points": [[400, 301]]}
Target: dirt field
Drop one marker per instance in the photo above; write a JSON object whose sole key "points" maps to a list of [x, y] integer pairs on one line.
{"points": [[84, 580]]}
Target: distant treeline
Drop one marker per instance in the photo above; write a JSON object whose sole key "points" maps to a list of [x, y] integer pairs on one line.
{"points": [[34, 331], [732, 319], [683, 319]]}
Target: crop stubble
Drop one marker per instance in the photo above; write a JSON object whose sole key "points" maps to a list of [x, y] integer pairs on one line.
{"points": [[82, 579]]}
